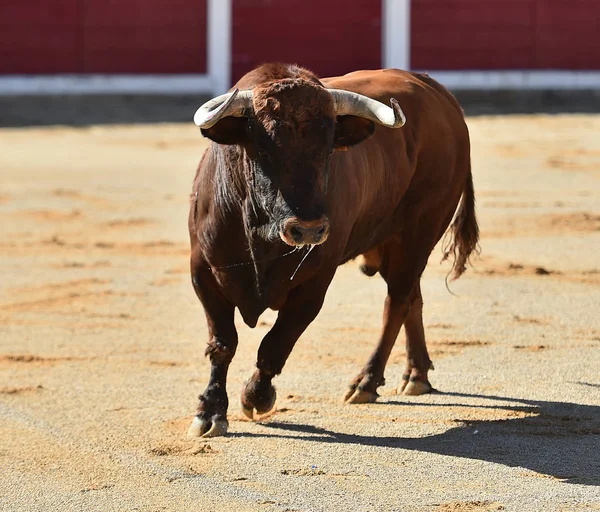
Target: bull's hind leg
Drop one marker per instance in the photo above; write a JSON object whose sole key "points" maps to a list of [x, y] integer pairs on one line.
{"points": [[211, 419], [401, 267], [414, 380], [363, 388]]}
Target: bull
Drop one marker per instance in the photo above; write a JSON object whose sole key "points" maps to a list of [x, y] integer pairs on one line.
{"points": [[303, 175]]}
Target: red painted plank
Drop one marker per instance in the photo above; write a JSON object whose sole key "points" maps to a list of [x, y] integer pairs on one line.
{"points": [[472, 34], [37, 13], [330, 37], [37, 51], [145, 36], [40, 36], [568, 34], [145, 13]]}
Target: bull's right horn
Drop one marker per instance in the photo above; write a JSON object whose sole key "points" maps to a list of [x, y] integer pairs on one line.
{"points": [[232, 104], [349, 103]]}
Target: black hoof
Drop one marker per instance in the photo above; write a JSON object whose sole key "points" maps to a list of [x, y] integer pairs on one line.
{"points": [[258, 396]]}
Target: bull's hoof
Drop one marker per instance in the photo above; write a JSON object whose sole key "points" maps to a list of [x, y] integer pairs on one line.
{"points": [[415, 388], [259, 402], [248, 412], [359, 396], [206, 428]]}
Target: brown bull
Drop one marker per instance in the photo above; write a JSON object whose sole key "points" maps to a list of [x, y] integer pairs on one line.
{"points": [[303, 175]]}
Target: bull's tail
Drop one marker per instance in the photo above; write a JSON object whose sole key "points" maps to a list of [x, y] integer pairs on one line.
{"points": [[464, 231]]}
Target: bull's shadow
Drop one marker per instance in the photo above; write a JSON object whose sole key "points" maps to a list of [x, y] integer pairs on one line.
{"points": [[558, 438]]}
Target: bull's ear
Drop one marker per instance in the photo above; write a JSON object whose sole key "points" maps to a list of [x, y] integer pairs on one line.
{"points": [[350, 130], [229, 130]]}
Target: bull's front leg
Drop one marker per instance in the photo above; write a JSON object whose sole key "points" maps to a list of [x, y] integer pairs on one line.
{"points": [[211, 419], [300, 309]]}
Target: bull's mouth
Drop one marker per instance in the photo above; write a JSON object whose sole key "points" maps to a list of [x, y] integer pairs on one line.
{"points": [[298, 233]]}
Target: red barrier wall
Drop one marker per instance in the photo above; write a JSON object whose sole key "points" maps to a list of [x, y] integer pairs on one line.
{"points": [[330, 37], [102, 36], [505, 34]]}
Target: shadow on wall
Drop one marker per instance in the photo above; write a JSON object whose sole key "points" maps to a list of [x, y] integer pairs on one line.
{"points": [[478, 103], [557, 439], [85, 110]]}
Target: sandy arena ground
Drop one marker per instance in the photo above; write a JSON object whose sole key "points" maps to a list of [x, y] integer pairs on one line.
{"points": [[102, 341]]}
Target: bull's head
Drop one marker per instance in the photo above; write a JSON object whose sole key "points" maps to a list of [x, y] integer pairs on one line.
{"points": [[289, 128]]}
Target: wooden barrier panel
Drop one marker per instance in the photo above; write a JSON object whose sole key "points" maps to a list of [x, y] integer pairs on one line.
{"points": [[505, 34], [144, 36], [330, 37], [40, 36], [473, 34], [102, 36], [568, 34]]}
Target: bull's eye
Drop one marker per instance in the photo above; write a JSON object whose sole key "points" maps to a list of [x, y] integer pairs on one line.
{"points": [[262, 153]]}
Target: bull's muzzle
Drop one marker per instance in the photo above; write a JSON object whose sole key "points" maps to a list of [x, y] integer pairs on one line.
{"points": [[305, 232]]}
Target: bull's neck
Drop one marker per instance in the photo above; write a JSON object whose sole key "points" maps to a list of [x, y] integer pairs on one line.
{"points": [[238, 211]]}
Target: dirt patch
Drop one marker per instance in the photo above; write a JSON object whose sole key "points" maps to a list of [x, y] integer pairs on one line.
{"points": [[515, 269], [444, 348], [182, 448], [526, 320], [165, 281], [62, 303], [578, 222], [51, 215], [128, 223], [470, 506], [166, 363], [531, 348], [496, 268], [564, 163], [59, 285], [34, 360], [20, 390], [549, 224], [312, 471]]}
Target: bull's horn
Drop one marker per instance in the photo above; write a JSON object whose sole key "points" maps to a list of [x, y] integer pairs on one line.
{"points": [[353, 104], [231, 104]]}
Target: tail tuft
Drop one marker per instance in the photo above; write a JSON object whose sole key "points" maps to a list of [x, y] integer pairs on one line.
{"points": [[464, 232]]}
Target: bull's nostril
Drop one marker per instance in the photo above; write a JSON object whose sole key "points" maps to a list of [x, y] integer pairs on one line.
{"points": [[321, 231], [296, 234]]}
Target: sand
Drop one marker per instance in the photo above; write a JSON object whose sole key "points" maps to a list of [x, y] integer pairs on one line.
{"points": [[102, 341]]}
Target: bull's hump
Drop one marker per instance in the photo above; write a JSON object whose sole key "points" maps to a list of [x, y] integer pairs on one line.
{"points": [[379, 84]]}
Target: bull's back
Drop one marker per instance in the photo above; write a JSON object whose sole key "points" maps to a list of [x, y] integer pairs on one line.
{"points": [[425, 161], [424, 100]]}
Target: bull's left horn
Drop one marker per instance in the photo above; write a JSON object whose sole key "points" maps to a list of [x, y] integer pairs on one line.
{"points": [[353, 104], [232, 104]]}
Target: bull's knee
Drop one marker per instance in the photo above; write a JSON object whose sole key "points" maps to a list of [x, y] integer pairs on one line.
{"points": [[220, 351]]}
